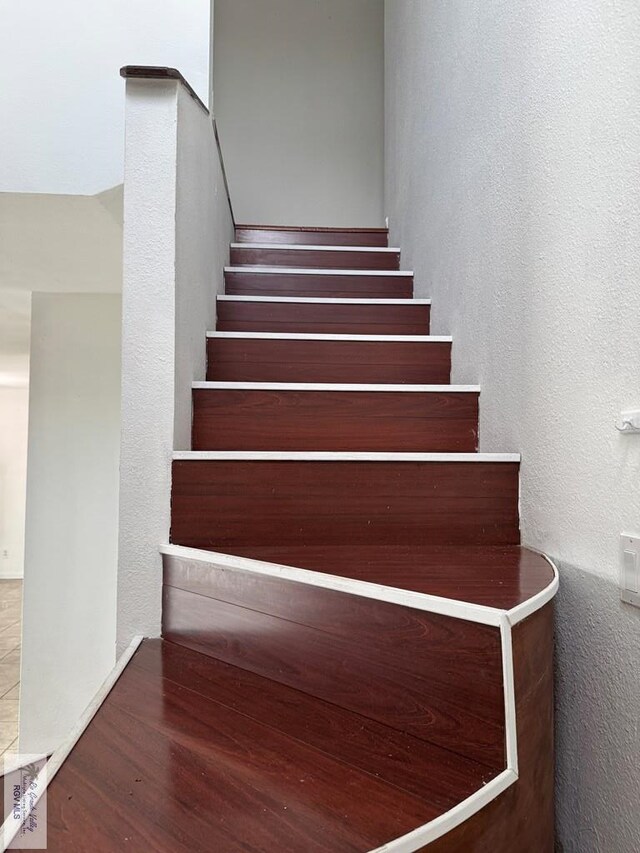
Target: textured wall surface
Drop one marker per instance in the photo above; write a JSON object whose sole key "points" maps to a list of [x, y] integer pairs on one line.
{"points": [[148, 352], [299, 92], [513, 187], [177, 230]]}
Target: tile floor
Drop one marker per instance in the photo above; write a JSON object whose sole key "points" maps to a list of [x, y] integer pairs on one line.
{"points": [[10, 640]]}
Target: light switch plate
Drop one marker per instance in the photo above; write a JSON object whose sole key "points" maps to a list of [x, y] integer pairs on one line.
{"points": [[630, 569]]}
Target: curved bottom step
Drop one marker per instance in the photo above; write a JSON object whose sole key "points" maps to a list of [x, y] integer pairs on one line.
{"points": [[393, 750], [191, 754]]}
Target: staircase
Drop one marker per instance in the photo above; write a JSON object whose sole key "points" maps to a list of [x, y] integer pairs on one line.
{"points": [[356, 652]]}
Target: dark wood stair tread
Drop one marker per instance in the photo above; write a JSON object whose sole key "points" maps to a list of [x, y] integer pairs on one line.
{"points": [[493, 576], [274, 281], [310, 256], [308, 234], [191, 754]]}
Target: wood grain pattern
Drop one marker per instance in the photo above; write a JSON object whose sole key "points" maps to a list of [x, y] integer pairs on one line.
{"points": [[338, 420], [502, 576], [434, 677], [164, 768], [190, 754], [319, 318], [346, 259], [522, 817], [438, 776], [312, 236], [225, 505], [329, 285], [268, 360]]}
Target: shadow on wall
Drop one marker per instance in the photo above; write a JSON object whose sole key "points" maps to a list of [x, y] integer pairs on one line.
{"points": [[14, 418], [598, 721]]}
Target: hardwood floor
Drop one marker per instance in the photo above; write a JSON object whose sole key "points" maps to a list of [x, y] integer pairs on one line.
{"points": [[190, 754], [411, 670]]}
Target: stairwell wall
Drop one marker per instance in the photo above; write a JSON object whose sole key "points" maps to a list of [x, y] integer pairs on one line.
{"points": [[299, 91], [68, 624], [177, 230], [513, 187]]}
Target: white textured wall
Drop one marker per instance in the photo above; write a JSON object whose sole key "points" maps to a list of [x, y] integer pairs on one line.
{"points": [[177, 230], [203, 232], [14, 419], [72, 512], [66, 102], [513, 187], [299, 90]]}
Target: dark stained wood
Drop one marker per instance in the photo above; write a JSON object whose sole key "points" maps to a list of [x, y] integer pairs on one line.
{"points": [[274, 360], [522, 818], [255, 283], [164, 768], [438, 776], [334, 420], [434, 677], [189, 754], [345, 259], [501, 576], [161, 72], [312, 236], [323, 318], [224, 505], [155, 72]]}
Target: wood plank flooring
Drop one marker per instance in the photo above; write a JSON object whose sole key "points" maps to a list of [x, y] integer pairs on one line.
{"points": [[191, 754]]}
